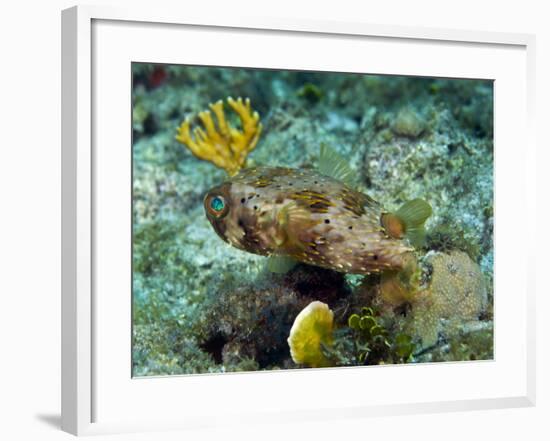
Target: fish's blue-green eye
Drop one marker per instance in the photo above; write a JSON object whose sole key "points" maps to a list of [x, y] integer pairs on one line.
{"points": [[216, 206]]}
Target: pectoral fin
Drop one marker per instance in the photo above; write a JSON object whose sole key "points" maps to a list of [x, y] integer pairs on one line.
{"points": [[292, 219], [280, 264]]}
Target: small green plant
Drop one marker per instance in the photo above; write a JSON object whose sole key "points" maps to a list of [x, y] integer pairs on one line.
{"points": [[310, 92], [403, 347], [370, 338]]}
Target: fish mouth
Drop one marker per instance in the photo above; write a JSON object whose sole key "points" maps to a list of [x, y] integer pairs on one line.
{"points": [[220, 228]]}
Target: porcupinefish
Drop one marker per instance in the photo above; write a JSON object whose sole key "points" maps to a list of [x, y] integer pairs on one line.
{"points": [[312, 217]]}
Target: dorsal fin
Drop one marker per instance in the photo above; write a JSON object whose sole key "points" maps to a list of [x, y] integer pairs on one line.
{"points": [[333, 165]]}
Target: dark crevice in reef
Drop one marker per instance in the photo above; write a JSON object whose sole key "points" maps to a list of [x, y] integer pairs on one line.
{"points": [[214, 346]]}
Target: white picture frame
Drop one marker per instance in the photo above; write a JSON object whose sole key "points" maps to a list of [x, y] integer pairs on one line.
{"points": [[91, 367]]}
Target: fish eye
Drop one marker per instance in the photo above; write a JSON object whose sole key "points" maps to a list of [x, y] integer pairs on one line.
{"points": [[217, 206]]}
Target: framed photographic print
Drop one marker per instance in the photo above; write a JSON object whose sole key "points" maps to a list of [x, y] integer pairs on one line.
{"points": [[251, 209]]}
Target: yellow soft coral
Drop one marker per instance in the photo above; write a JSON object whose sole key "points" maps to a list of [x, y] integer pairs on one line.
{"points": [[311, 328], [223, 145]]}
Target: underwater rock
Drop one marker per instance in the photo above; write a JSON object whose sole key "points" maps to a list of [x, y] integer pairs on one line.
{"points": [[471, 104], [251, 321], [139, 116], [456, 295], [234, 352], [441, 168], [165, 350], [447, 238], [408, 123], [338, 122]]}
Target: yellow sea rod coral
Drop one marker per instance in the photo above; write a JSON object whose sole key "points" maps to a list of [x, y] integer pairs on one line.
{"points": [[311, 328], [220, 143]]}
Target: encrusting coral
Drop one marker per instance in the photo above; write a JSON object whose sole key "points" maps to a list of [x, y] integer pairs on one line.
{"points": [[221, 143], [456, 295], [408, 123]]}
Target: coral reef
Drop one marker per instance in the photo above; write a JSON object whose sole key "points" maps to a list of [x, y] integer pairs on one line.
{"points": [[249, 322], [441, 165], [200, 305], [446, 313], [252, 320]]}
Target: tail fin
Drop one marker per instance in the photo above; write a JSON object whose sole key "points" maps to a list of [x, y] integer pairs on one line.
{"points": [[408, 221]]}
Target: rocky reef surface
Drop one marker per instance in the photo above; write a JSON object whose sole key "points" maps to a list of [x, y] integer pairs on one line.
{"points": [[201, 305]]}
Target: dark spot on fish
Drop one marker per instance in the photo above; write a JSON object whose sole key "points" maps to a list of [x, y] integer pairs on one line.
{"points": [[327, 221], [255, 207], [290, 184], [251, 196], [354, 201], [375, 257], [257, 195], [350, 228], [243, 200], [240, 223]]}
